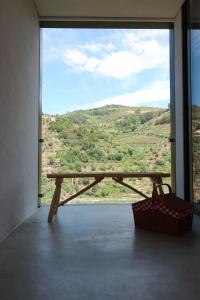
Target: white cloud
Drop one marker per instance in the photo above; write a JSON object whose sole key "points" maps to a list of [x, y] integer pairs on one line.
{"points": [[74, 57], [158, 91], [121, 64], [120, 56], [153, 33], [78, 60], [50, 51], [138, 51], [96, 47]]}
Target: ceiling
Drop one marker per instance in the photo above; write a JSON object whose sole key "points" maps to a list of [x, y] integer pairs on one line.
{"points": [[139, 9]]}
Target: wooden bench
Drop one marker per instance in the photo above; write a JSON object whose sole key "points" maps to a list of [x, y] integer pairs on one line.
{"points": [[118, 177]]}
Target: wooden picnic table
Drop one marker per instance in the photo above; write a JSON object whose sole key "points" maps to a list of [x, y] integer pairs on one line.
{"points": [[118, 177]]}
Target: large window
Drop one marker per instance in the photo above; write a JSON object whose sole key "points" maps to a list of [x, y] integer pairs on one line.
{"points": [[106, 107]]}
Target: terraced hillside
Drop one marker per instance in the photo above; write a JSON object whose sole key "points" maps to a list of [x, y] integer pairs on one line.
{"points": [[109, 138], [196, 152]]}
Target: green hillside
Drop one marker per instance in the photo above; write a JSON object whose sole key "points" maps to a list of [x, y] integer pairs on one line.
{"points": [[109, 138], [196, 151]]}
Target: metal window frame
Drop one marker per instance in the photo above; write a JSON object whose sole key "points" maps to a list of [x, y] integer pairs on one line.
{"points": [[187, 113], [111, 23], [40, 124], [172, 110], [104, 23], [189, 25]]}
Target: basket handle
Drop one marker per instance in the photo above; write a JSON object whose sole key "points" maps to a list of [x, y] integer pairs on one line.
{"points": [[155, 190]]}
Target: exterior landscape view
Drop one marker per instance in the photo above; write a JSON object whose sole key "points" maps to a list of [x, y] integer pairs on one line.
{"points": [[105, 103], [109, 138]]}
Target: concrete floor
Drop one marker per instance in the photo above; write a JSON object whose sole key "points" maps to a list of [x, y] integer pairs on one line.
{"points": [[94, 252]]}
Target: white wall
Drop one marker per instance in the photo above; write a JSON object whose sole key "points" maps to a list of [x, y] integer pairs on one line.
{"points": [[179, 106], [19, 86], [154, 9]]}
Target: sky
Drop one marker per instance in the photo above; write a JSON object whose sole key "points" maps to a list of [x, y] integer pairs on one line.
{"points": [[89, 68], [195, 66]]}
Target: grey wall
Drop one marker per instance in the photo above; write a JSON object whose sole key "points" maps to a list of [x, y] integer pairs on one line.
{"points": [[179, 106], [19, 85]]}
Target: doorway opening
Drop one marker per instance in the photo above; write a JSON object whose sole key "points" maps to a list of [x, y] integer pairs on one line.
{"points": [[105, 108]]}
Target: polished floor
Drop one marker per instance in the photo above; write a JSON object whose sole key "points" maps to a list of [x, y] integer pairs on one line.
{"points": [[94, 252]]}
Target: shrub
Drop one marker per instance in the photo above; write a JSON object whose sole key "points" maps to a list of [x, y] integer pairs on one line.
{"points": [[85, 181], [104, 193], [77, 166], [164, 119], [159, 163], [51, 160], [130, 151], [93, 167]]}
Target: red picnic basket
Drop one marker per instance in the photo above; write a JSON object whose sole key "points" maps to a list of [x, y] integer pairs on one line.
{"points": [[165, 213]]}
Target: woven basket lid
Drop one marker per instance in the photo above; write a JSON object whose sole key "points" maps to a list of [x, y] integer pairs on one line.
{"points": [[171, 201]]}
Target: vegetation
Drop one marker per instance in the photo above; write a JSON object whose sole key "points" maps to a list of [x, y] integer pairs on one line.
{"points": [[196, 151], [109, 138]]}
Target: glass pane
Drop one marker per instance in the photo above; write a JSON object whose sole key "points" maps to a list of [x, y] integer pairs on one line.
{"points": [[105, 108], [195, 95]]}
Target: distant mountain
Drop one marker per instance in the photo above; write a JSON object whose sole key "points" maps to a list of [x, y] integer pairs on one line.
{"points": [[109, 138]]}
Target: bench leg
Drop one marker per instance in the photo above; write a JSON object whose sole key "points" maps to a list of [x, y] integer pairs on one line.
{"points": [[97, 180], [55, 200], [120, 181]]}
